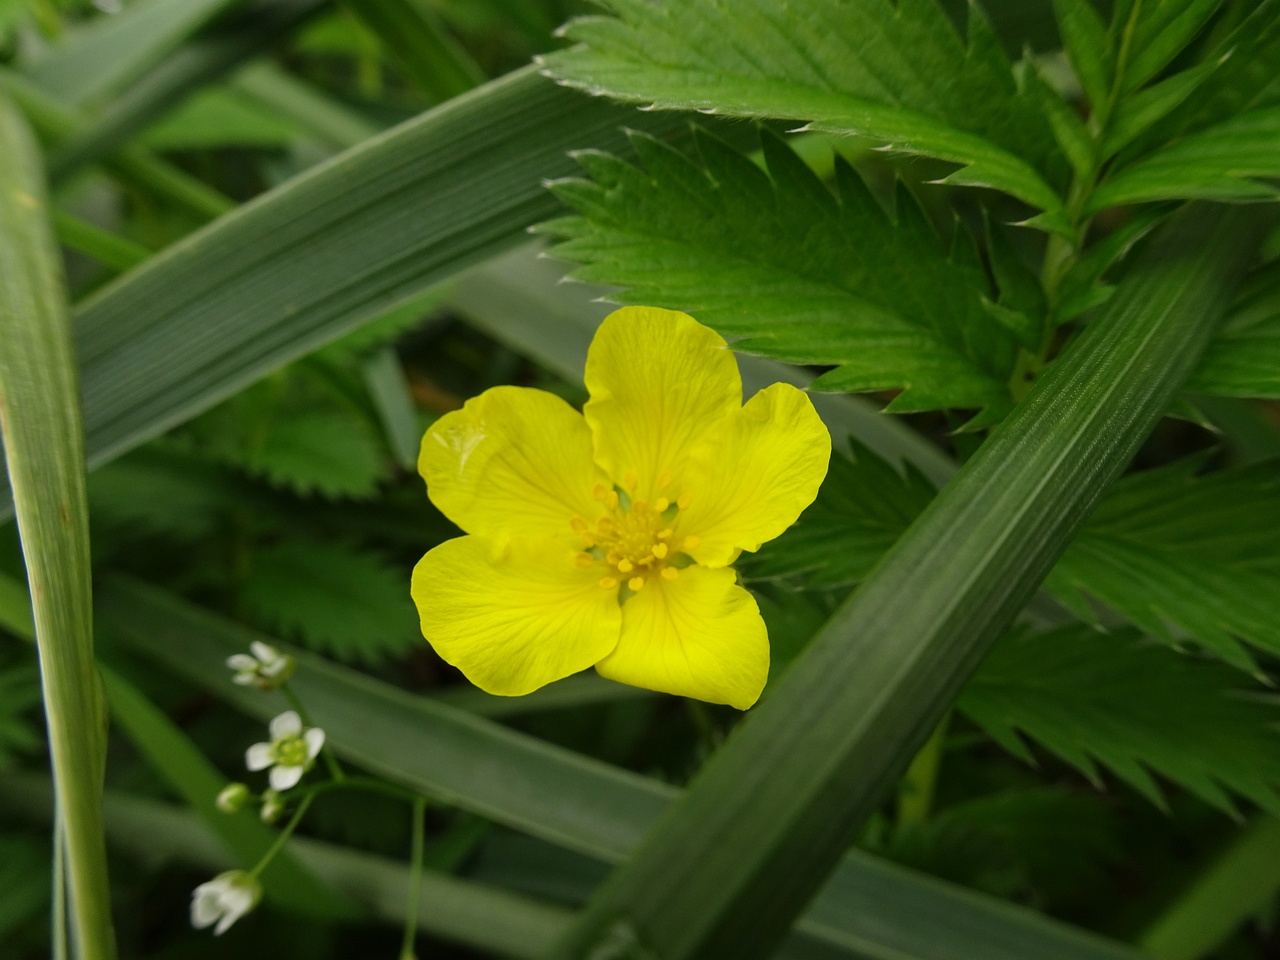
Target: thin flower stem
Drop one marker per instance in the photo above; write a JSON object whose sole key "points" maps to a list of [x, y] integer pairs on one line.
{"points": [[330, 760], [367, 784], [283, 838], [415, 879]]}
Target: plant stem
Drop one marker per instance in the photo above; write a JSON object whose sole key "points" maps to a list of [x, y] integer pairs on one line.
{"points": [[415, 878], [281, 840], [915, 793]]}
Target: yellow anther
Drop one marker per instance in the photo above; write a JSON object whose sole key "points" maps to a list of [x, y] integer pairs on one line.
{"points": [[611, 499], [604, 526], [635, 583], [660, 550], [649, 561], [661, 504], [639, 506], [630, 481], [613, 558], [608, 583], [670, 573], [692, 543], [599, 491], [579, 525], [685, 500], [625, 565], [664, 480], [666, 534], [584, 560]]}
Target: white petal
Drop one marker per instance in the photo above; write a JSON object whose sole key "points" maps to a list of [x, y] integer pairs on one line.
{"points": [[241, 662], [315, 741], [259, 756], [244, 679], [235, 904], [283, 778], [264, 651], [288, 723], [273, 667], [205, 908]]}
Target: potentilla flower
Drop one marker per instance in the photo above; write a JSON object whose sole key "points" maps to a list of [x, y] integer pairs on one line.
{"points": [[224, 900], [266, 668], [292, 751], [605, 538]]}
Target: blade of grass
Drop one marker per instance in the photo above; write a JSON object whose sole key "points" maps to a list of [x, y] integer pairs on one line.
{"points": [[432, 59], [299, 101], [767, 817], [870, 909], [1241, 883], [105, 247], [198, 782], [204, 60], [112, 51], [469, 913], [57, 122], [44, 450]]}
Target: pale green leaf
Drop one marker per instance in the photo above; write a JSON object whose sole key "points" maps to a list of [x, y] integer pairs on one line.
{"points": [[794, 271], [1134, 707], [896, 74]]}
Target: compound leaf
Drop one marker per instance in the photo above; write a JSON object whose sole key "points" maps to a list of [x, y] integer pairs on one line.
{"points": [[803, 275]]}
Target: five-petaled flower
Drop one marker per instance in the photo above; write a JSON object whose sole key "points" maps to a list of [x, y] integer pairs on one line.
{"points": [[605, 538], [224, 900], [291, 752], [266, 668]]}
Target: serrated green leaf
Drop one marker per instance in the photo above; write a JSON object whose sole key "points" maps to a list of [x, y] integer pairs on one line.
{"points": [[864, 505], [348, 603], [333, 454], [897, 74], [1244, 359], [1085, 37], [1137, 113], [1223, 162], [801, 274], [1159, 30], [1135, 707], [1185, 557]]}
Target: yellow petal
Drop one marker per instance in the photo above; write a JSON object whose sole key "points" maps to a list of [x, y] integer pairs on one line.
{"points": [[512, 462], [755, 475], [659, 380], [517, 619], [698, 636]]}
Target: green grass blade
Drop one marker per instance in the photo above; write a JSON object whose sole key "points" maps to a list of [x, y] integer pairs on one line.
{"points": [[107, 248], [113, 51], [768, 816], [870, 909], [198, 782], [1242, 882], [44, 448], [206, 59], [466, 912], [304, 104], [432, 59]]}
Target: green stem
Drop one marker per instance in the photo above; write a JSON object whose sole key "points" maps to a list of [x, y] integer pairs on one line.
{"points": [[285, 834], [415, 878], [330, 759], [59, 910], [368, 785]]}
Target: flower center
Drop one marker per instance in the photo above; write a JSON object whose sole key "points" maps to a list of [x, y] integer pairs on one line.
{"points": [[290, 751], [635, 540]]}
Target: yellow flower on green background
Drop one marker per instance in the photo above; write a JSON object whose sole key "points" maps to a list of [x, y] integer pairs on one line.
{"points": [[605, 538]]}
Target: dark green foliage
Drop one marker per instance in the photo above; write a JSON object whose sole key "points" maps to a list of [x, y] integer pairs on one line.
{"points": [[1134, 707], [19, 697], [344, 602], [1184, 557], [1244, 360], [800, 273]]}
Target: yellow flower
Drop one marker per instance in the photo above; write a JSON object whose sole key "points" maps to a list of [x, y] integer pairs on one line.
{"points": [[604, 538]]}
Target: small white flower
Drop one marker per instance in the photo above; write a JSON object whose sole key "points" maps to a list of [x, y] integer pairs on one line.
{"points": [[224, 900], [291, 752], [266, 668]]}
